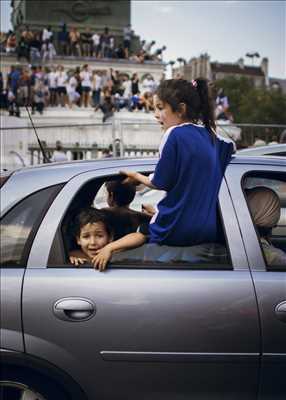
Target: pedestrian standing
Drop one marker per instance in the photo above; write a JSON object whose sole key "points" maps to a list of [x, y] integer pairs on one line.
{"points": [[63, 41], [104, 43], [127, 36], [86, 78], [52, 84], [96, 88], [13, 80], [96, 45], [59, 154], [62, 80]]}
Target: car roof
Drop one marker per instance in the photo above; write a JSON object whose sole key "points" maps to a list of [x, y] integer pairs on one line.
{"points": [[44, 175], [264, 150], [63, 171]]}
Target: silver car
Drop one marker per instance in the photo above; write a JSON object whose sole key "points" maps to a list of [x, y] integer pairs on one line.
{"points": [[278, 150], [204, 322]]}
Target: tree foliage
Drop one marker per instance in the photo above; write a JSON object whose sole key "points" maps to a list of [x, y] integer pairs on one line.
{"points": [[253, 105]]}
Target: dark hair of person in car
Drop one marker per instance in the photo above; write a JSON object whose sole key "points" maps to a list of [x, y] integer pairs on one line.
{"points": [[195, 95], [123, 219], [120, 194]]}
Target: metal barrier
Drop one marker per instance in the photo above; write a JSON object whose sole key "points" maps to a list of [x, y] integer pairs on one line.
{"points": [[19, 143], [139, 139], [251, 132], [88, 141]]}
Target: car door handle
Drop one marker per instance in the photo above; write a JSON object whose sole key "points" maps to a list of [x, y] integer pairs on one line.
{"points": [[280, 311], [74, 309]]}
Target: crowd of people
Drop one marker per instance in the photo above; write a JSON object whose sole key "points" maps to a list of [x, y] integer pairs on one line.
{"points": [[38, 47], [53, 86]]}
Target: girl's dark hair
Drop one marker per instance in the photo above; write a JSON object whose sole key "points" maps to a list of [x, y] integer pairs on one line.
{"points": [[194, 94], [89, 215]]}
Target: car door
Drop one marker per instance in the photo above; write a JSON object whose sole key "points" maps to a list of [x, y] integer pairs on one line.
{"points": [[144, 332], [270, 283], [18, 226]]}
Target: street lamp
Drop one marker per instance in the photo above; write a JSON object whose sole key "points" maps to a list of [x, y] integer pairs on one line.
{"points": [[171, 63], [252, 56], [182, 60]]}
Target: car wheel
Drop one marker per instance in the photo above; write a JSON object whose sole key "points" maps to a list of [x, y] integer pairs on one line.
{"points": [[20, 384]]}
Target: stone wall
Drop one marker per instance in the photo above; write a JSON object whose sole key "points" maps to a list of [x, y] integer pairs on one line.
{"points": [[156, 69], [79, 13]]}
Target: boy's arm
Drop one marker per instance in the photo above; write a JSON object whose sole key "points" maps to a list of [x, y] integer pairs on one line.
{"points": [[126, 242], [136, 178]]}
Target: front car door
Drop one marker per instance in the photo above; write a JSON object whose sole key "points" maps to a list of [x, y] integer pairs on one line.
{"points": [[269, 281], [157, 332]]}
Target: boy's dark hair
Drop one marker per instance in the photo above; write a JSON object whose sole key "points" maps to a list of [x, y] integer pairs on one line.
{"points": [[89, 215], [123, 193], [194, 94]]}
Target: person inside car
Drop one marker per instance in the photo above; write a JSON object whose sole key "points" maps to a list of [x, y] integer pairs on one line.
{"points": [[122, 217], [94, 237], [264, 205]]}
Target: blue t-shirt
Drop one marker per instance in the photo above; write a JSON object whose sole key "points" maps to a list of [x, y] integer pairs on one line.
{"points": [[190, 170]]}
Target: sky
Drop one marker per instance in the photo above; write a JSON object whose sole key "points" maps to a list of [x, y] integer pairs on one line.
{"points": [[226, 29]]}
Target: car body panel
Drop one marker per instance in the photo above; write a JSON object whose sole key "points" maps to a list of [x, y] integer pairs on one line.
{"points": [[157, 333], [125, 330], [191, 317], [270, 290], [11, 308]]}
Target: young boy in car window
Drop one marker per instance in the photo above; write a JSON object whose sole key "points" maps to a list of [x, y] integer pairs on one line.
{"points": [[94, 237]]}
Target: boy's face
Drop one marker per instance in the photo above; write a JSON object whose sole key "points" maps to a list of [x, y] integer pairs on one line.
{"points": [[92, 237]]}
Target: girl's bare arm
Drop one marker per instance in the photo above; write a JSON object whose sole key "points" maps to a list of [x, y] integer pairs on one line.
{"points": [[136, 178], [130, 241]]}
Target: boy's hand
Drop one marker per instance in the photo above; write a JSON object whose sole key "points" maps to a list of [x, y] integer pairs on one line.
{"points": [[77, 260], [102, 257]]}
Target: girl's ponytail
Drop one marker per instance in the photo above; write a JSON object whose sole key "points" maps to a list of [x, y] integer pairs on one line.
{"points": [[207, 113]]}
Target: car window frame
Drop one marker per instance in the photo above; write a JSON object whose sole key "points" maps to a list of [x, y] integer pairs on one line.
{"points": [[260, 174], [248, 230], [39, 254], [29, 241]]}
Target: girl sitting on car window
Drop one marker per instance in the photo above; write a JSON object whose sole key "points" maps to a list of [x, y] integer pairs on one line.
{"points": [[190, 168]]}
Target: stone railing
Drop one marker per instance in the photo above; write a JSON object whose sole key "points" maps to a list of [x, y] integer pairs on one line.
{"points": [[156, 69]]}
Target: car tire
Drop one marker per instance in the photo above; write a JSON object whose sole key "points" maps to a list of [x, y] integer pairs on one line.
{"points": [[17, 383]]}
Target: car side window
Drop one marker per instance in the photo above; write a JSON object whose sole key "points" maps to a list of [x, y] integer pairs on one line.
{"points": [[204, 256], [268, 217], [20, 224]]}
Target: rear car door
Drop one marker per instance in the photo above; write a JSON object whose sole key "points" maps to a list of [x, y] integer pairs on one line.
{"points": [[141, 331], [18, 228], [269, 281]]}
